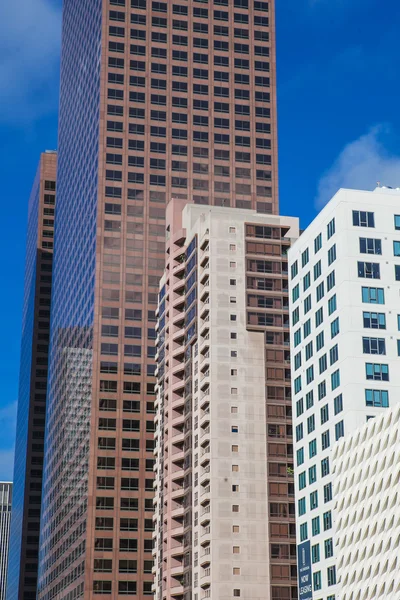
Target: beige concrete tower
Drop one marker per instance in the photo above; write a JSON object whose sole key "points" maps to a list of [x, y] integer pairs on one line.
{"points": [[224, 522]]}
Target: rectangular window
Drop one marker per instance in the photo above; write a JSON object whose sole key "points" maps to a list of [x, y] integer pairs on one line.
{"points": [[297, 337], [307, 304], [377, 372], [397, 222], [338, 404], [312, 448], [306, 281], [331, 572], [327, 492], [397, 272], [310, 424], [374, 320], [374, 345], [299, 407], [295, 316], [295, 293], [313, 500], [370, 246], [320, 341], [324, 414], [332, 306], [323, 363], [299, 432], [305, 257], [317, 581], [325, 440], [335, 327], [301, 507], [377, 398], [310, 374], [339, 430], [368, 270], [328, 546], [333, 354], [307, 328], [317, 270], [330, 281], [300, 456], [319, 317], [303, 532], [363, 219], [302, 480], [330, 229], [312, 474], [294, 269], [320, 291], [309, 351], [297, 385], [309, 399], [324, 467], [335, 380], [318, 243], [315, 526], [315, 553], [297, 361], [327, 518], [373, 295]]}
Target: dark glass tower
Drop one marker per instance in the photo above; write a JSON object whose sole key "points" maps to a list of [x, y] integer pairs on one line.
{"points": [[158, 99], [24, 538]]}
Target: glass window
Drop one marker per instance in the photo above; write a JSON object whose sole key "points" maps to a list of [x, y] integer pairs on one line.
{"points": [[327, 492], [320, 292], [328, 546], [320, 341], [369, 270], [370, 246], [309, 399], [300, 456], [331, 572], [323, 363], [324, 467], [295, 293], [294, 269], [307, 328], [299, 407], [338, 404], [397, 222], [299, 432], [306, 281], [302, 480], [332, 304], [319, 317], [317, 270], [309, 350], [310, 374], [317, 581], [397, 272], [333, 354], [335, 327], [303, 532], [373, 295], [330, 229], [377, 372], [339, 430], [374, 320], [315, 526], [312, 474], [301, 506], [330, 281], [335, 379], [315, 553], [307, 304], [374, 345], [310, 423], [297, 385], [318, 243], [325, 440], [312, 448], [377, 398], [331, 254], [313, 500], [363, 219], [324, 414]]}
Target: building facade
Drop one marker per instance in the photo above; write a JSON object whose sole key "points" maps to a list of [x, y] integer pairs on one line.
{"points": [[224, 520], [141, 119], [5, 521], [344, 289], [29, 447], [366, 475]]}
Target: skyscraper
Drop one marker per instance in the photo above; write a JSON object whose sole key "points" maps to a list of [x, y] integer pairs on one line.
{"points": [[345, 319], [29, 447], [224, 521], [158, 99], [5, 520]]}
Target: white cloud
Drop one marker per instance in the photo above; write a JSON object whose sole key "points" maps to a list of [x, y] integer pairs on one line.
{"points": [[30, 32], [360, 165]]}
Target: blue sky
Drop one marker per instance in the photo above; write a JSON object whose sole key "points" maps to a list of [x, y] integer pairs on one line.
{"points": [[339, 125]]}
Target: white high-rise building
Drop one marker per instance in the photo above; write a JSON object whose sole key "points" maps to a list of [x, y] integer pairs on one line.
{"points": [[345, 317], [366, 468], [5, 519]]}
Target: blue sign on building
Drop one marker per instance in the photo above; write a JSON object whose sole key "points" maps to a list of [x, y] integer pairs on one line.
{"points": [[304, 571]]}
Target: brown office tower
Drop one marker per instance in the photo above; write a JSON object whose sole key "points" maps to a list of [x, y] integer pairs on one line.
{"points": [[157, 99], [225, 512], [29, 447]]}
